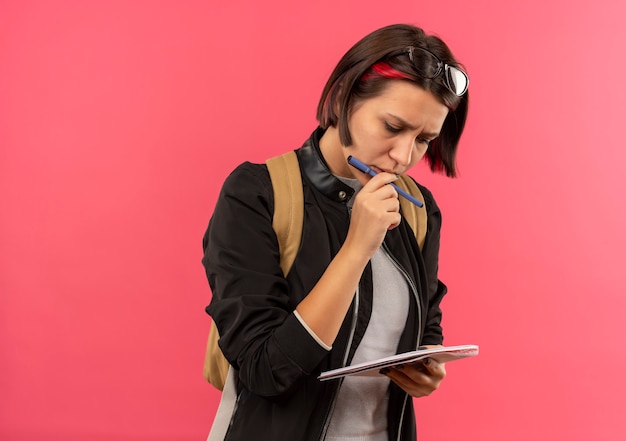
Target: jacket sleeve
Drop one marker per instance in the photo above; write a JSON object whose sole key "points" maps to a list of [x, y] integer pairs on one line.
{"points": [[259, 333], [433, 334]]}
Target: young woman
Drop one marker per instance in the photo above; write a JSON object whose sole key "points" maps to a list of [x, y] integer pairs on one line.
{"points": [[360, 287]]}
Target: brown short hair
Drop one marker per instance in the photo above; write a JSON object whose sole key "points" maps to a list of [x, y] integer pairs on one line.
{"points": [[349, 84]]}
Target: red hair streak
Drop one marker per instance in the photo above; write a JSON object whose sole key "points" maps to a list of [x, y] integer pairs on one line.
{"points": [[382, 69]]}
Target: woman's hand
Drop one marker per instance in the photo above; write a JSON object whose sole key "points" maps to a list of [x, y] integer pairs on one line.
{"points": [[418, 379], [376, 210]]}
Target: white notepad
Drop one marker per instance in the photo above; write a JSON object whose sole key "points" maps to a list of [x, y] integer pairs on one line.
{"points": [[371, 368]]}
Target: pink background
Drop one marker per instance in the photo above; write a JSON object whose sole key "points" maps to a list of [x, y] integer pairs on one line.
{"points": [[120, 119]]}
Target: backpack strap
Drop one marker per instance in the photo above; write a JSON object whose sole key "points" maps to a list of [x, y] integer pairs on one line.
{"points": [[287, 222], [288, 217], [415, 216]]}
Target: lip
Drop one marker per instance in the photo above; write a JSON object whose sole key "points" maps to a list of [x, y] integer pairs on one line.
{"points": [[380, 170]]}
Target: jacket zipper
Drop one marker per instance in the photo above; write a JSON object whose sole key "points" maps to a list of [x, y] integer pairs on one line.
{"points": [[344, 362], [413, 290], [419, 322]]}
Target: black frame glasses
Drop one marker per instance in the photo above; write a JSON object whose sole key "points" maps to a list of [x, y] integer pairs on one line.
{"points": [[454, 78]]}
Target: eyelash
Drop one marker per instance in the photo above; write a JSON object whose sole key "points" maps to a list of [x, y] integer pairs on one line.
{"points": [[394, 130]]}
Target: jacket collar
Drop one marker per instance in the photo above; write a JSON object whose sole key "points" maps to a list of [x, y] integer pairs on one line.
{"points": [[317, 173]]}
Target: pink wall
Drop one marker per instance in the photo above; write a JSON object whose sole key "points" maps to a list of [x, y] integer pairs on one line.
{"points": [[119, 120]]}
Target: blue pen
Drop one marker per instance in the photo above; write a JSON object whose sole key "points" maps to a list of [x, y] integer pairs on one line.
{"points": [[365, 169]]}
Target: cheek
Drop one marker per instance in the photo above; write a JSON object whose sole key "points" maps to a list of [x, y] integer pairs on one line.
{"points": [[364, 124], [363, 132], [369, 137]]}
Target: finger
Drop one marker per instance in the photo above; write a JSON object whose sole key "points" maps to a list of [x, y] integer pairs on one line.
{"points": [[416, 374], [381, 179], [391, 204], [396, 220], [433, 368], [381, 201], [420, 388]]}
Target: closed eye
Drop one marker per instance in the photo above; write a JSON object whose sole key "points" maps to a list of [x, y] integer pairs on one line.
{"points": [[392, 129]]}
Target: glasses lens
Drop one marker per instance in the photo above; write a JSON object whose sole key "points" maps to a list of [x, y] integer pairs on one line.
{"points": [[426, 63], [457, 80]]}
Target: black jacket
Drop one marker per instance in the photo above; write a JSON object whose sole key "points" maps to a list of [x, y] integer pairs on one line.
{"points": [[278, 394]]}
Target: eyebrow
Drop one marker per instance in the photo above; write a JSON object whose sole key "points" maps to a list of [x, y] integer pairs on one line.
{"points": [[429, 135]]}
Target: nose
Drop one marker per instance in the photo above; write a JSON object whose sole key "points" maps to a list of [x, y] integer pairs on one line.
{"points": [[402, 151]]}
